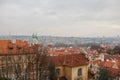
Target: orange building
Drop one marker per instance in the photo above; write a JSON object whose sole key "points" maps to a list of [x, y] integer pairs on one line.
{"points": [[14, 46], [16, 57]]}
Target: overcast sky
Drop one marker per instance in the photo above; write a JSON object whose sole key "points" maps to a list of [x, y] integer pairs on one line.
{"points": [[60, 17]]}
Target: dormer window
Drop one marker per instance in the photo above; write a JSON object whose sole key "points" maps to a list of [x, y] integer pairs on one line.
{"points": [[10, 47], [19, 47]]}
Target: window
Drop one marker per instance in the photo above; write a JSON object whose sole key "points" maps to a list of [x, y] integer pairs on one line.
{"points": [[58, 72], [79, 72]]}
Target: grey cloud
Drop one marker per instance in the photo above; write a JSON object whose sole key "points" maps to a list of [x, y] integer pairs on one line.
{"points": [[55, 15]]}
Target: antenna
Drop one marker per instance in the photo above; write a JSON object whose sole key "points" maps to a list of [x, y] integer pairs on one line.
{"points": [[9, 35]]}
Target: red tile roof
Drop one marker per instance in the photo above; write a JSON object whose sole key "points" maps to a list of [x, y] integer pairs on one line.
{"points": [[64, 50], [113, 72], [108, 64], [112, 57], [13, 47], [71, 60], [118, 63]]}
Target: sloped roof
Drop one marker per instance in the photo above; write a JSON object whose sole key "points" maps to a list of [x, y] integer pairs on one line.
{"points": [[70, 60], [13, 47], [113, 72], [108, 64]]}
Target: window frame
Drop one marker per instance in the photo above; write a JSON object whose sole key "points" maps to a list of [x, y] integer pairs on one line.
{"points": [[79, 72]]}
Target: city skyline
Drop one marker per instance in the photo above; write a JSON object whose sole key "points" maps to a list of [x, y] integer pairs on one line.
{"points": [[60, 18]]}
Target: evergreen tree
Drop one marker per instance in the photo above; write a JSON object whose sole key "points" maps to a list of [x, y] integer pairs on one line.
{"points": [[52, 72], [103, 74]]}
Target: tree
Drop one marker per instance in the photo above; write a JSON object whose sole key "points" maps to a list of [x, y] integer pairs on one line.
{"points": [[41, 62], [52, 72], [103, 74], [27, 66], [116, 49], [2, 78], [45, 66]]}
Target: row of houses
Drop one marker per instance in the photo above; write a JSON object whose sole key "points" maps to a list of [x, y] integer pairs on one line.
{"points": [[29, 60], [98, 61], [23, 60]]}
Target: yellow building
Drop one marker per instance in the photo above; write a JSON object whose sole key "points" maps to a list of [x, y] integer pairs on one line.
{"points": [[71, 67]]}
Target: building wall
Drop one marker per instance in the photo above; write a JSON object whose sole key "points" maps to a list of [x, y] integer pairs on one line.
{"points": [[8, 63], [84, 72], [71, 73], [68, 73], [61, 71]]}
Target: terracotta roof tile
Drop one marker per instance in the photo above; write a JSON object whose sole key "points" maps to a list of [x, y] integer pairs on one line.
{"points": [[113, 72], [10, 47], [70, 60]]}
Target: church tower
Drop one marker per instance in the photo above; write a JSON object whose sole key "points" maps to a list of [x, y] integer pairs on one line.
{"points": [[34, 39]]}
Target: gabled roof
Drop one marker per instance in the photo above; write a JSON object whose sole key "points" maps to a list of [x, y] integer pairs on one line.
{"points": [[70, 60]]}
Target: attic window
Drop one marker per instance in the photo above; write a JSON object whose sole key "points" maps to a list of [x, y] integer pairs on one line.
{"points": [[10, 47], [79, 72], [19, 47]]}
